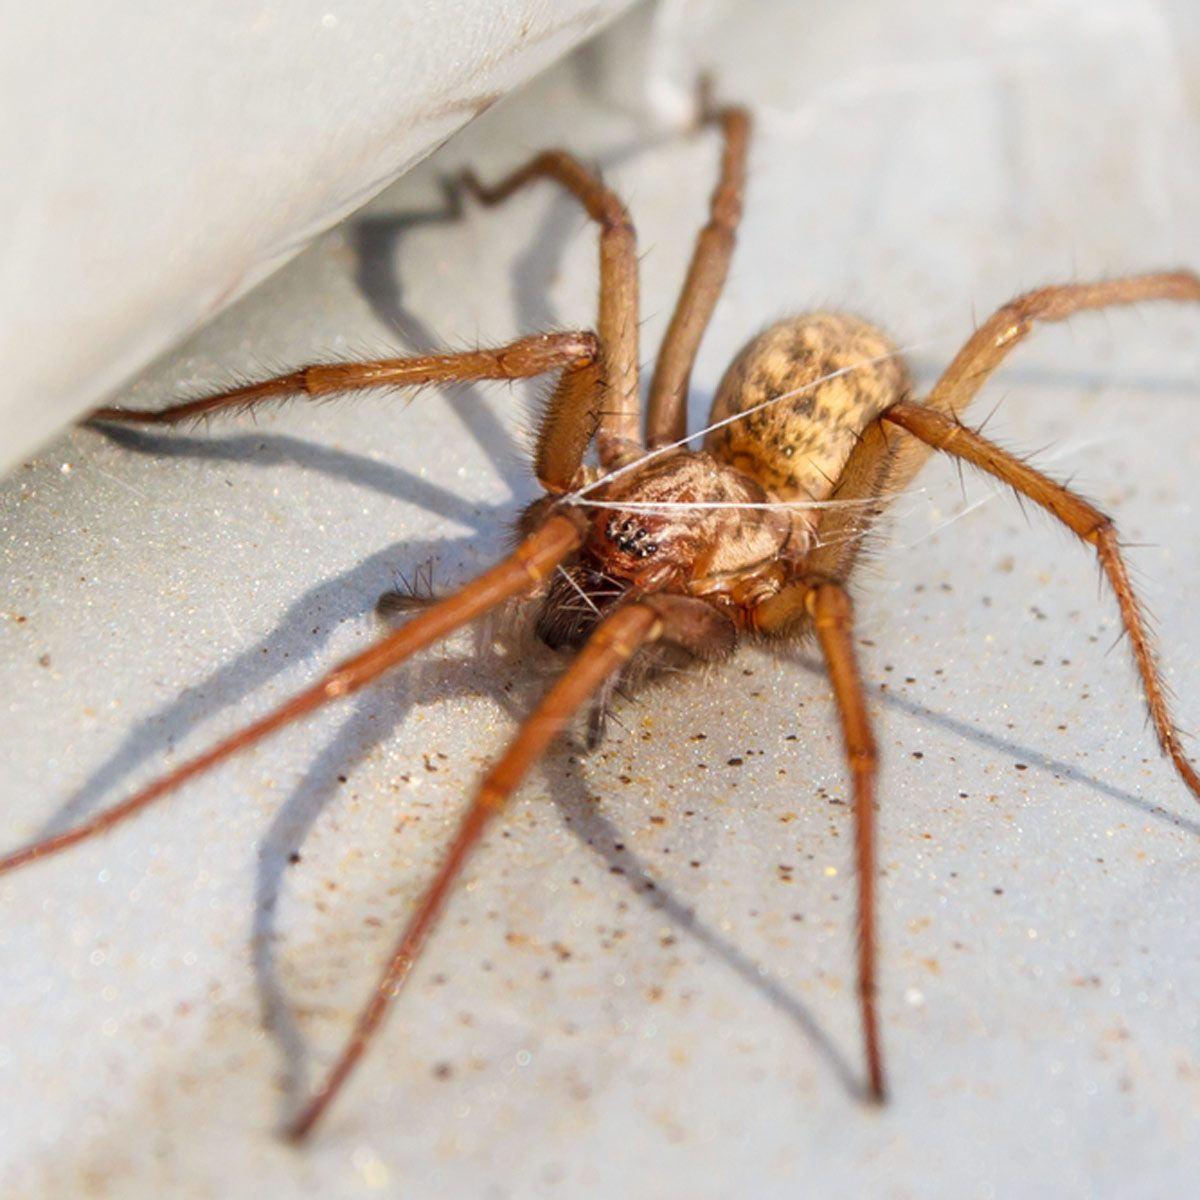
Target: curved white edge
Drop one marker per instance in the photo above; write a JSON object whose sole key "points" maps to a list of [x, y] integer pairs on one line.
{"points": [[158, 166]]}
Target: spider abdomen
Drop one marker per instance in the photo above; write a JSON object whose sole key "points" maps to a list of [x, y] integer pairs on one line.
{"points": [[808, 385]]}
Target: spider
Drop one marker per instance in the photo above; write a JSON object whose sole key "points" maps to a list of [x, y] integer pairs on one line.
{"points": [[657, 552]]}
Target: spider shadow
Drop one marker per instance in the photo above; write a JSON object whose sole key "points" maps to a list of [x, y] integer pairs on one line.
{"points": [[599, 834], [297, 637], [429, 683], [509, 684], [302, 629], [1018, 751], [425, 683], [330, 601], [347, 596], [376, 244], [563, 223], [294, 639], [265, 451], [563, 773]]}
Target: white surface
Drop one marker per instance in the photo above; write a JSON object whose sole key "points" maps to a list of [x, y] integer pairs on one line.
{"points": [[159, 163], [1041, 864]]}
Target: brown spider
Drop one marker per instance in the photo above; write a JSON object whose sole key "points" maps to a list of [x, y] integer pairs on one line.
{"points": [[661, 552]]}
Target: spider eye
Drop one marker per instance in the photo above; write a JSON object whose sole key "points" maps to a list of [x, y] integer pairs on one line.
{"points": [[630, 537]]}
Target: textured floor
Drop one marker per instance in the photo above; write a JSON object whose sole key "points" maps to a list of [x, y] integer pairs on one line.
{"points": [[646, 986]]}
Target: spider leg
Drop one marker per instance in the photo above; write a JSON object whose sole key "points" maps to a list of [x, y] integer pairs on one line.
{"points": [[1010, 324], [861, 494], [570, 422], [526, 567], [611, 646], [884, 461], [666, 413], [828, 607], [619, 439], [1087, 522]]}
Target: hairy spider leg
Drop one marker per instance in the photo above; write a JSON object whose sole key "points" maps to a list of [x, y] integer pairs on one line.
{"points": [[1012, 323], [619, 436], [983, 352], [826, 606], [879, 467], [666, 405], [520, 572], [559, 451], [1087, 522], [612, 645]]}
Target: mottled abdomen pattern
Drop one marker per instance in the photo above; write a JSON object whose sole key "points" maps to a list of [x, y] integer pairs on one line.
{"points": [[797, 447]]}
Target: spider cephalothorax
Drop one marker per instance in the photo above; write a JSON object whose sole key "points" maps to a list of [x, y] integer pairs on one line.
{"points": [[681, 523], [661, 550], [731, 524]]}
